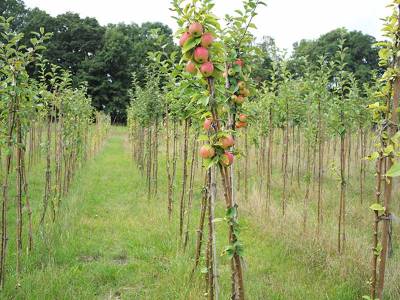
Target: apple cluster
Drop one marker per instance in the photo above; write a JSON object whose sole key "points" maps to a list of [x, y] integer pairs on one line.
{"points": [[199, 58], [242, 92], [225, 142]]}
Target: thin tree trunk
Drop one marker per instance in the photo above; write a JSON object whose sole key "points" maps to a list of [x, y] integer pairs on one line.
{"points": [[269, 160], [213, 273], [184, 178], [191, 183], [47, 190], [285, 171], [375, 252], [169, 175], [200, 229], [386, 218], [4, 210], [342, 206], [307, 193]]}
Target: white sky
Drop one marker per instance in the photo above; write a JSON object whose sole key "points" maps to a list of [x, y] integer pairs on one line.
{"points": [[287, 21]]}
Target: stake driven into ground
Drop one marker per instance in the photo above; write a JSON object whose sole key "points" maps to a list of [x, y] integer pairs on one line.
{"points": [[112, 242]]}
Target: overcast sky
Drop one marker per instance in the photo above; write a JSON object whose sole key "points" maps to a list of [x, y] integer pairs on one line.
{"points": [[287, 21]]}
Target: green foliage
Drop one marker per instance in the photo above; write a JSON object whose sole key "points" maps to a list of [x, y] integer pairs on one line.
{"points": [[362, 54]]}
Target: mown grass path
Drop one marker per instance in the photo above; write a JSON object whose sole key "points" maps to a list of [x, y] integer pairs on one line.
{"points": [[114, 243]]}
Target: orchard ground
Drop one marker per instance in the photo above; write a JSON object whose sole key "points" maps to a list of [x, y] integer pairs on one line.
{"points": [[113, 243]]}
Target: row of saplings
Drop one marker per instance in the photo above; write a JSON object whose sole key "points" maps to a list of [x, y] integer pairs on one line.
{"points": [[199, 60]]}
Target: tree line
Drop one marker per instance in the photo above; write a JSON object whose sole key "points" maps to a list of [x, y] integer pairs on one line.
{"points": [[107, 56]]}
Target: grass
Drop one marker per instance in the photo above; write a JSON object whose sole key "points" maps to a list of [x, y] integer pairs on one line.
{"points": [[111, 242]]}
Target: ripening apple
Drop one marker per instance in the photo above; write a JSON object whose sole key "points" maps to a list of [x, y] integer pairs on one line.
{"points": [[231, 72], [239, 99], [242, 85], [227, 141], [207, 69], [227, 158], [184, 39], [191, 67], [243, 118], [196, 29], [240, 124], [207, 124], [206, 151], [239, 62], [245, 92], [200, 55], [206, 40]]}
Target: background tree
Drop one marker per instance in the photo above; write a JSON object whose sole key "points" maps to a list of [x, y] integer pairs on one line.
{"points": [[362, 54]]}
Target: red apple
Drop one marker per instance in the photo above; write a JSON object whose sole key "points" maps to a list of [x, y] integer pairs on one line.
{"points": [[239, 62], [184, 39], [227, 158], [207, 69], [196, 29], [200, 55], [241, 124], [206, 40], [207, 124], [227, 142], [191, 67], [206, 151], [243, 118]]}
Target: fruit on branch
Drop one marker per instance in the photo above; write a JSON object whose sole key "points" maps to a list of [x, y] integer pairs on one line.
{"points": [[206, 151], [191, 67], [240, 124], [227, 142], [207, 124], [225, 74], [242, 85], [196, 29], [245, 92], [239, 62], [238, 99], [227, 159], [243, 118], [206, 40], [207, 69], [200, 55], [184, 39], [231, 72]]}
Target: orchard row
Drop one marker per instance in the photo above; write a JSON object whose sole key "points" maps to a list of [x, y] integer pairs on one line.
{"points": [[46, 128]]}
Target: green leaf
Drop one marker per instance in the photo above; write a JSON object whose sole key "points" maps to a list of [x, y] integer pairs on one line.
{"points": [[231, 213], [377, 207], [203, 138], [372, 157], [217, 220], [394, 171], [228, 251], [208, 163], [378, 249], [190, 44]]}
